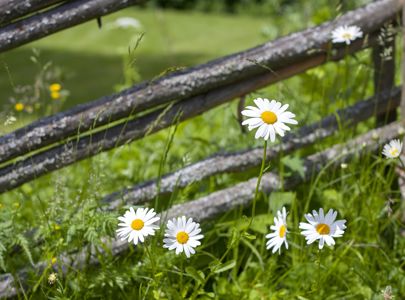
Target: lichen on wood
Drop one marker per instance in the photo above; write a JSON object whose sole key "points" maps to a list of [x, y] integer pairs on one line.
{"points": [[302, 50]]}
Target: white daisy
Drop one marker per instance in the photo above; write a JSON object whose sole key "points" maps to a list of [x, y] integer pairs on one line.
{"points": [[128, 22], [270, 117], [393, 149], [52, 278], [137, 225], [322, 228], [279, 236], [183, 235], [346, 34]]}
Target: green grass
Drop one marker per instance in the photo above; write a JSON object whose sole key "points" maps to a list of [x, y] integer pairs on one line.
{"points": [[64, 205], [92, 59]]}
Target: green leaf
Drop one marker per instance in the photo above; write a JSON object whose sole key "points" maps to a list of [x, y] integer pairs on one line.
{"points": [[2, 262], [294, 163], [255, 252], [248, 236], [23, 242], [242, 223], [196, 275], [224, 267], [332, 195], [261, 223], [280, 199], [234, 239]]}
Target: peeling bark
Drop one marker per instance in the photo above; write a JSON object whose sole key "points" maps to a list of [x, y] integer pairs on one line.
{"points": [[240, 161], [13, 9], [219, 202], [295, 49]]}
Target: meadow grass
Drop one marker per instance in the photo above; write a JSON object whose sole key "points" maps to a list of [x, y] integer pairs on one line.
{"points": [[232, 262], [91, 60]]}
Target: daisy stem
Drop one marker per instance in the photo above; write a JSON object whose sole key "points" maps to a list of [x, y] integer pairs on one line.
{"points": [[181, 277], [202, 285], [152, 261], [347, 69], [401, 162], [259, 179], [319, 269]]}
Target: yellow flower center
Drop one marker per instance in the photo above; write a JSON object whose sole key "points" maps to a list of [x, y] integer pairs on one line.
{"points": [[282, 231], [182, 237], [269, 117], [322, 228], [19, 106], [394, 151], [137, 224], [347, 36]]}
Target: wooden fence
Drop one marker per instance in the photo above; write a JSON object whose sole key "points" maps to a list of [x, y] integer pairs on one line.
{"points": [[67, 137]]}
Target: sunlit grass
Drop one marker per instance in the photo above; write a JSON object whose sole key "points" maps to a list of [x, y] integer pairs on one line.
{"points": [[232, 263]]}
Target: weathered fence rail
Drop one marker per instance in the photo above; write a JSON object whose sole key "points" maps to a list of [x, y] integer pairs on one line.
{"points": [[244, 160], [239, 162], [69, 14], [65, 154], [185, 94], [380, 104], [300, 50]]}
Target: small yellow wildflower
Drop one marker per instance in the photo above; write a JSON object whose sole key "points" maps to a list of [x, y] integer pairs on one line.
{"points": [[29, 109], [55, 87], [52, 278], [54, 260], [55, 95], [56, 227], [19, 106]]}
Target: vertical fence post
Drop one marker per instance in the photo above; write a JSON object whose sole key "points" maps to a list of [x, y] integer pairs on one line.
{"points": [[401, 179], [384, 69], [241, 106], [402, 105]]}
